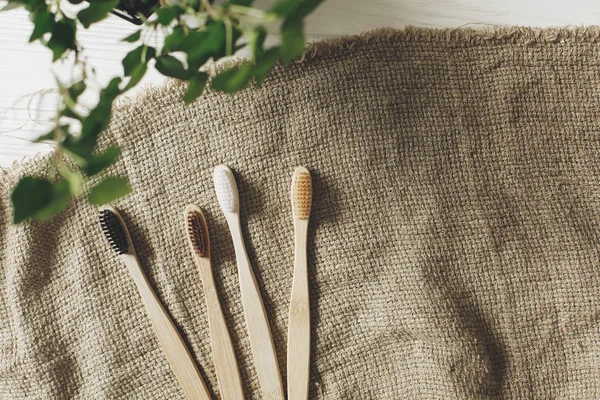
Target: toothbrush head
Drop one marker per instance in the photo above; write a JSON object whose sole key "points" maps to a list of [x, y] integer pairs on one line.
{"points": [[197, 231], [115, 230], [301, 193], [226, 189]]}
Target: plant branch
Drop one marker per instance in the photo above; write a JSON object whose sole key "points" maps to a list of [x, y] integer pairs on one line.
{"points": [[212, 38]]}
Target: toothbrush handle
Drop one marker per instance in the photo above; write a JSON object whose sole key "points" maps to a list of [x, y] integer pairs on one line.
{"points": [[298, 351], [259, 333], [228, 374], [182, 364]]}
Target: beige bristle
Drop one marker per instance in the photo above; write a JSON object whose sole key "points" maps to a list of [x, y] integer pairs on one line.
{"points": [[198, 233], [301, 193]]}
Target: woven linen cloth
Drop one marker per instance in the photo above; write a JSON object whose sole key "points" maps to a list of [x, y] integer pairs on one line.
{"points": [[453, 245]]}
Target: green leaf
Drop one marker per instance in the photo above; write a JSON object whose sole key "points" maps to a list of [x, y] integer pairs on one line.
{"points": [[233, 79], [166, 15], [200, 46], [285, 8], [265, 65], [150, 53], [97, 11], [102, 161], [34, 6], [63, 37], [256, 39], [136, 57], [45, 137], [29, 197], [174, 39], [69, 113], [109, 190], [61, 195], [44, 22], [193, 39], [73, 178], [194, 4], [132, 60], [292, 41], [195, 87], [111, 91], [306, 7], [170, 66], [75, 1], [79, 149], [76, 90], [136, 76], [96, 121], [295, 9], [57, 134], [134, 37]]}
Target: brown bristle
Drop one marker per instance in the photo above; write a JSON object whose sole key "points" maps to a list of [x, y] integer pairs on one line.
{"points": [[198, 233], [302, 193]]}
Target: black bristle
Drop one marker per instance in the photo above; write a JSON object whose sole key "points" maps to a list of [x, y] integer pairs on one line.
{"points": [[114, 232]]}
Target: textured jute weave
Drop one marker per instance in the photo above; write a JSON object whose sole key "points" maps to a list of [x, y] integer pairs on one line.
{"points": [[454, 246]]}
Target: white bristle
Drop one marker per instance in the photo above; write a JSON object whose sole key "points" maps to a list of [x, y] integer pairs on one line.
{"points": [[226, 188]]}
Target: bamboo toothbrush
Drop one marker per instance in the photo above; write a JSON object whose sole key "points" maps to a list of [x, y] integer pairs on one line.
{"points": [[298, 348], [228, 375], [259, 333], [178, 355]]}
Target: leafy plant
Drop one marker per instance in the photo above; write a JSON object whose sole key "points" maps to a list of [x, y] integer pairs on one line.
{"points": [[195, 32]]}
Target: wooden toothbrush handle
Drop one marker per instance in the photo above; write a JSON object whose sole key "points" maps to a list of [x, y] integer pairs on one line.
{"points": [[298, 350], [182, 364], [257, 322], [228, 374]]}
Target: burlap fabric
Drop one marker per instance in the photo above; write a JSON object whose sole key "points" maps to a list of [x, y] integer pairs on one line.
{"points": [[454, 240]]}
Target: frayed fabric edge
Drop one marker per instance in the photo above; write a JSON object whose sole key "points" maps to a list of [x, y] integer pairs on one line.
{"points": [[488, 35]]}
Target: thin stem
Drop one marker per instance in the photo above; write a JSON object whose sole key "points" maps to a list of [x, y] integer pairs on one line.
{"points": [[209, 9], [228, 36], [253, 12], [58, 151]]}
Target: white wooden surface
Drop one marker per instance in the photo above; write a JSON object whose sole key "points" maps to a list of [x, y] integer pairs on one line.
{"points": [[26, 68]]}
